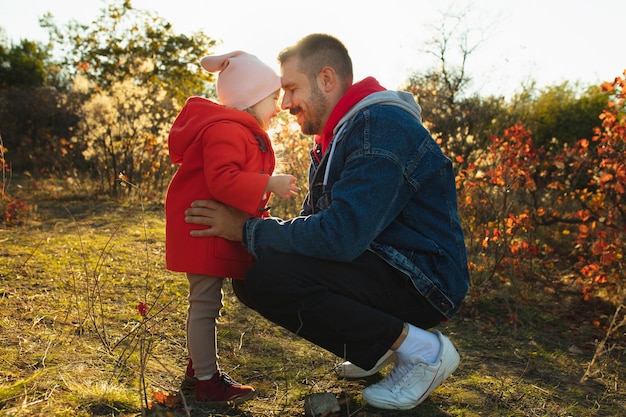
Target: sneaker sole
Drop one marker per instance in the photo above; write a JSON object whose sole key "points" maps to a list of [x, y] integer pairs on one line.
{"points": [[243, 398], [234, 401]]}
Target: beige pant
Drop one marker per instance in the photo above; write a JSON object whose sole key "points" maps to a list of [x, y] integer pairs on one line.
{"points": [[205, 303]]}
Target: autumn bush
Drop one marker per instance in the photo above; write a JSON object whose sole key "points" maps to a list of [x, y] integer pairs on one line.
{"points": [[124, 129], [292, 157], [494, 205], [601, 212], [528, 209], [11, 208]]}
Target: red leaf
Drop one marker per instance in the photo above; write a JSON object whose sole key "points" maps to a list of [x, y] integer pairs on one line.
{"points": [[143, 309]]}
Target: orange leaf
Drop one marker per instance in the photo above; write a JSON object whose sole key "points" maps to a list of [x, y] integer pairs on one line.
{"points": [[601, 279], [166, 399], [606, 177]]}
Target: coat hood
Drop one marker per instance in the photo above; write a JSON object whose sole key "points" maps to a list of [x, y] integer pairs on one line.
{"points": [[400, 99], [197, 116]]}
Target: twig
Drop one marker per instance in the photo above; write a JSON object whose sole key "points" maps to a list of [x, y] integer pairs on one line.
{"points": [[600, 347]]}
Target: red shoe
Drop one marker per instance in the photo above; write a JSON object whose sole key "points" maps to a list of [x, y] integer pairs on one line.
{"points": [[221, 388]]}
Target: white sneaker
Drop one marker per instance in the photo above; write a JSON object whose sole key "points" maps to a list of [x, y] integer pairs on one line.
{"points": [[410, 383], [349, 370]]}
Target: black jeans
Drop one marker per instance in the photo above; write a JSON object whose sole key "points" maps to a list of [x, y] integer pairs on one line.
{"points": [[355, 310]]}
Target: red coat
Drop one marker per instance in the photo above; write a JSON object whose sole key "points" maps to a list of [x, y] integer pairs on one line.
{"points": [[224, 155]]}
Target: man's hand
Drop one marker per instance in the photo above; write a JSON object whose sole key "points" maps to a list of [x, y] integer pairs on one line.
{"points": [[222, 220]]}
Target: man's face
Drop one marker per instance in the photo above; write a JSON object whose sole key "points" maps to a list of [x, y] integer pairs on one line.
{"points": [[303, 98]]}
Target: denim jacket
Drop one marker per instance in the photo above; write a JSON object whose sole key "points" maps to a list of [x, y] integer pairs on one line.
{"points": [[385, 186]]}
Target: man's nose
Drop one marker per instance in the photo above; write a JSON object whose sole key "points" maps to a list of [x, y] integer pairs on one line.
{"points": [[286, 102]]}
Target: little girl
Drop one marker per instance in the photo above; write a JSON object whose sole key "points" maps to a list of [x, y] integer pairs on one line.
{"points": [[224, 154]]}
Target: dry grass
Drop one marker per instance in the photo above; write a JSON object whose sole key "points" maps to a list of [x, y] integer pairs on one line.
{"points": [[72, 342]]}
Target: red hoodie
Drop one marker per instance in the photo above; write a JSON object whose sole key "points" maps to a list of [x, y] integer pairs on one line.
{"points": [[223, 155], [355, 93]]}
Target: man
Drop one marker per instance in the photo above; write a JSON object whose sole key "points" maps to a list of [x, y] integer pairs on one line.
{"points": [[377, 255]]}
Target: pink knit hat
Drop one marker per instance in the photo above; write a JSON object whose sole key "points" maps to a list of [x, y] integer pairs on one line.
{"points": [[243, 79]]}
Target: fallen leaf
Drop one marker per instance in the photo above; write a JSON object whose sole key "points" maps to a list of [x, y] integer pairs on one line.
{"points": [[167, 399]]}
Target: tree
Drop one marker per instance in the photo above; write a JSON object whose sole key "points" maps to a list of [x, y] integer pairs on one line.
{"points": [[36, 118], [439, 89], [460, 123], [135, 73], [22, 65], [127, 43], [560, 114], [37, 125]]}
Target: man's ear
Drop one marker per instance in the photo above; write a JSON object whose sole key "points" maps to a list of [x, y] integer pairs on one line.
{"points": [[327, 79]]}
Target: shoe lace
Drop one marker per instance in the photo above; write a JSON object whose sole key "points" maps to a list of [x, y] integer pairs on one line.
{"points": [[227, 381], [398, 373], [392, 377]]}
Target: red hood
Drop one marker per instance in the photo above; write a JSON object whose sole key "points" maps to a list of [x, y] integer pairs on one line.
{"points": [[196, 116]]}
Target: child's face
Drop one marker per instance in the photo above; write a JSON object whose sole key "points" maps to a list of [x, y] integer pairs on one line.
{"points": [[267, 109]]}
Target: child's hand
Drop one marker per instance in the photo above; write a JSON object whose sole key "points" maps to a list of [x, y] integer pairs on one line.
{"points": [[283, 185]]}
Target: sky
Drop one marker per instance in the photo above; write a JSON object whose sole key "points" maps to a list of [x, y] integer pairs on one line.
{"points": [[516, 42]]}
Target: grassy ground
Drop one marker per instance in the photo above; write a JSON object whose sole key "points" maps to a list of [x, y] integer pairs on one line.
{"points": [[72, 342]]}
